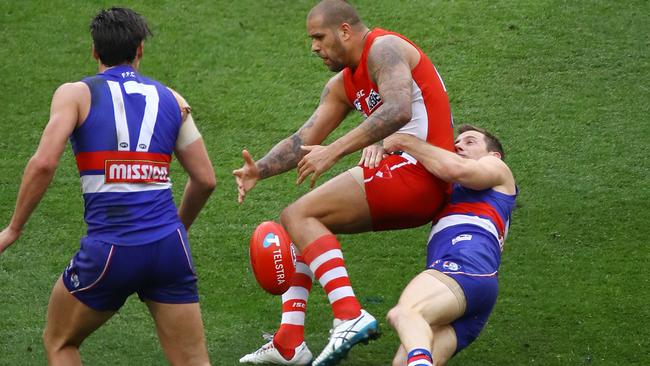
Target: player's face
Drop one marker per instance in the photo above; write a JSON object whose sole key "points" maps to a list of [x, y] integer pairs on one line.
{"points": [[326, 44], [471, 145]]}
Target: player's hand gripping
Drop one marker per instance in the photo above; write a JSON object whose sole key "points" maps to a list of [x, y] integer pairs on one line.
{"points": [[396, 141], [372, 155], [7, 237], [246, 176], [317, 161]]}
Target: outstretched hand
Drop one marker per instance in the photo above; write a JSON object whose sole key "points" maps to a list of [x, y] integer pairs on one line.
{"points": [[317, 161], [7, 237], [246, 176]]}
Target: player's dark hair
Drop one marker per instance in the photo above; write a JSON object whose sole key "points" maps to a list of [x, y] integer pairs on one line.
{"points": [[492, 142], [117, 33], [336, 12]]}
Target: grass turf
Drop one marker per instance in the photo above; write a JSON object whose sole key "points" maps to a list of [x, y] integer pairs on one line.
{"points": [[564, 84]]}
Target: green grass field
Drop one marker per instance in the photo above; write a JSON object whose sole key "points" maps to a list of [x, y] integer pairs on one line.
{"points": [[565, 84]]}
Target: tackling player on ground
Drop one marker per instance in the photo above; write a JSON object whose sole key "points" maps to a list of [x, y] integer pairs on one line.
{"points": [[444, 308], [395, 86], [123, 128]]}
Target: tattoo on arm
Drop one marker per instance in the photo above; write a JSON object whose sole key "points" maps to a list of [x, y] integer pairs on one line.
{"points": [[324, 94], [391, 71], [286, 154]]}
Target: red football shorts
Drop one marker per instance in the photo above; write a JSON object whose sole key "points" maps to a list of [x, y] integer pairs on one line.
{"points": [[402, 194]]}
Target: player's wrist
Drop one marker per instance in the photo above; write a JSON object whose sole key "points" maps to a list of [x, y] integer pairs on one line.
{"points": [[407, 142], [17, 229], [337, 151]]}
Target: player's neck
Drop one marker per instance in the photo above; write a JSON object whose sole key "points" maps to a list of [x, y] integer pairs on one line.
{"points": [[135, 64], [358, 48]]}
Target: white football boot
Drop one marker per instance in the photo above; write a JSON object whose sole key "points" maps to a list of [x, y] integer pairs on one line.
{"points": [[344, 335], [269, 354]]}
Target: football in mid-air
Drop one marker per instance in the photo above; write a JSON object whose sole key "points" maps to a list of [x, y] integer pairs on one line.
{"points": [[272, 257]]}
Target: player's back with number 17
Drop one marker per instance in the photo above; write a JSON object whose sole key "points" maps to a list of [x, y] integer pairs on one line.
{"points": [[127, 140], [123, 128]]}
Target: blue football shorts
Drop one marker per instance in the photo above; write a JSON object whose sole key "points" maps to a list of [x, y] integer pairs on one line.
{"points": [[471, 256], [102, 275]]}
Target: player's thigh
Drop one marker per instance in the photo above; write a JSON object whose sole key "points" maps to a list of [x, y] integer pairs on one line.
{"points": [[180, 330], [339, 204], [69, 321], [438, 299]]}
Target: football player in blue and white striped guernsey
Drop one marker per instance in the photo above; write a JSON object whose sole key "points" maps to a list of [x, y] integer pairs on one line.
{"points": [[444, 308], [123, 128]]}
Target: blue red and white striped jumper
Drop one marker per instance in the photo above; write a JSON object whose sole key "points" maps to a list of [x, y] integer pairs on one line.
{"points": [[470, 215], [123, 151]]}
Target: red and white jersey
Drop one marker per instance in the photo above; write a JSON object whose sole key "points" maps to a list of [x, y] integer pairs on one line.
{"points": [[431, 121]]}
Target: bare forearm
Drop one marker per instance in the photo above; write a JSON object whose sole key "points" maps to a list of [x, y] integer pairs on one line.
{"points": [[282, 157], [194, 198], [36, 179], [388, 119], [437, 161]]}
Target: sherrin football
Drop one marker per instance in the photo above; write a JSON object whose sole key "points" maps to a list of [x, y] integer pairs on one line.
{"points": [[272, 257]]}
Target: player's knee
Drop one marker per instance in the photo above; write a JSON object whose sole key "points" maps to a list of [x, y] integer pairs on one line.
{"points": [[55, 341], [51, 342], [397, 313], [291, 215]]}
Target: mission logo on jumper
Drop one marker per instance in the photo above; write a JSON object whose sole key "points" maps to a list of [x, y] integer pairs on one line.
{"points": [[136, 171]]}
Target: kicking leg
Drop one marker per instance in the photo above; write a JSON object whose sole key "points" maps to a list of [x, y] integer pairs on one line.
{"points": [[338, 206], [69, 322]]}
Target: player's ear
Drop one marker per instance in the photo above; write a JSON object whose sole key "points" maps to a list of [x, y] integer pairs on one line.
{"points": [[345, 31], [139, 51], [495, 154], [95, 54]]}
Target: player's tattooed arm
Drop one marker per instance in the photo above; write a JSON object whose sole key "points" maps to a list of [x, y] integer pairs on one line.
{"points": [[286, 154], [389, 68], [331, 110]]}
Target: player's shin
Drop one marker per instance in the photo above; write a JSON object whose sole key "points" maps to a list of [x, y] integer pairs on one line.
{"points": [[325, 259], [294, 307]]}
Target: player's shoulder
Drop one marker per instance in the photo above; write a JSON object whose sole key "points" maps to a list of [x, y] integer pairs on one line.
{"points": [[76, 91], [494, 163], [392, 49], [179, 98], [497, 165], [337, 78], [182, 103], [388, 42], [73, 87]]}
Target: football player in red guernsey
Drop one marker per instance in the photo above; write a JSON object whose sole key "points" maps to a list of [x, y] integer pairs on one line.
{"points": [[394, 85]]}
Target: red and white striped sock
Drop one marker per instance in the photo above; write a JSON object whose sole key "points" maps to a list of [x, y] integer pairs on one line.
{"points": [[325, 260], [294, 306]]}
